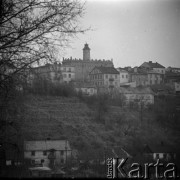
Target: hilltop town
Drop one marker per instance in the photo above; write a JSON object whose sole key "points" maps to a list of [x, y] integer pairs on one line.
{"points": [[79, 112], [93, 76]]}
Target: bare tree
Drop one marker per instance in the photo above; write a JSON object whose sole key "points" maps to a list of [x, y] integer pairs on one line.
{"points": [[31, 32], [34, 31]]}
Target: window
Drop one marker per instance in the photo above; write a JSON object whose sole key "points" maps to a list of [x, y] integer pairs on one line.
{"points": [[44, 153], [69, 75], [62, 152], [62, 161], [122, 76], [106, 76], [32, 153], [115, 76], [64, 69], [42, 160], [126, 76], [69, 69]]}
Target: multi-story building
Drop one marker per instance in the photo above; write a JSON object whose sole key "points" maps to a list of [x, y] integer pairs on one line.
{"points": [[173, 69], [156, 67], [140, 78], [55, 73], [139, 95], [48, 153], [123, 76], [145, 77], [85, 65], [68, 73], [154, 78], [51, 72], [107, 77], [171, 77]]}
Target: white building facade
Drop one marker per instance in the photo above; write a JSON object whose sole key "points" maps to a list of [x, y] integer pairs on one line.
{"points": [[47, 152], [68, 73]]}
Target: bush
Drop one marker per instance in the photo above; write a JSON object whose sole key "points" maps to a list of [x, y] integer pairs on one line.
{"points": [[42, 86]]}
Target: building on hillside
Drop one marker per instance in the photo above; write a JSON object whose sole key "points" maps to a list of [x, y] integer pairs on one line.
{"points": [[49, 153], [171, 77], [123, 76], [85, 65], [138, 95], [173, 69], [87, 89], [56, 73], [145, 77], [51, 72], [140, 78], [154, 78], [68, 73], [156, 67], [104, 77]]}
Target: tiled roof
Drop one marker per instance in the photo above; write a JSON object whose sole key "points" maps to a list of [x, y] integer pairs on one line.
{"points": [[107, 70], [46, 145], [122, 70], [155, 65]]}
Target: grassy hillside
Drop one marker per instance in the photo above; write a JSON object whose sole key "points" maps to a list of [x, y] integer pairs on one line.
{"points": [[60, 117]]}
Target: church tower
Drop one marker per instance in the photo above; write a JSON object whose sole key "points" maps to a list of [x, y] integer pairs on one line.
{"points": [[86, 52]]}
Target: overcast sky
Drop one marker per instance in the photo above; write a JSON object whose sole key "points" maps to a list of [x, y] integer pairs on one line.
{"points": [[131, 32]]}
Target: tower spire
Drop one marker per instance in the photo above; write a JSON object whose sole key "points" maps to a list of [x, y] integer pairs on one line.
{"points": [[86, 52]]}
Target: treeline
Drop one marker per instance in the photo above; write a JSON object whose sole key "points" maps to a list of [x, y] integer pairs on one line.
{"points": [[165, 109], [42, 86]]}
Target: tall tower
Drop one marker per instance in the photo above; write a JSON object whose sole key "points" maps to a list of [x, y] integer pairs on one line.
{"points": [[86, 52]]}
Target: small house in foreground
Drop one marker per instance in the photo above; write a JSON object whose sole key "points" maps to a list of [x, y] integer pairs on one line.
{"points": [[49, 153]]}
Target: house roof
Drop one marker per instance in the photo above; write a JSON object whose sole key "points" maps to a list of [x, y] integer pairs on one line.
{"points": [[154, 65], [107, 70], [117, 152], [43, 145]]}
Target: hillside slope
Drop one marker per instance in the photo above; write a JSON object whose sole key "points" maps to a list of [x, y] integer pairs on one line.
{"points": [[58, 117]]}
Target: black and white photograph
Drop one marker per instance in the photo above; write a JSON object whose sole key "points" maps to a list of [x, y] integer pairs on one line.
{"points": [[90, 89]]}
